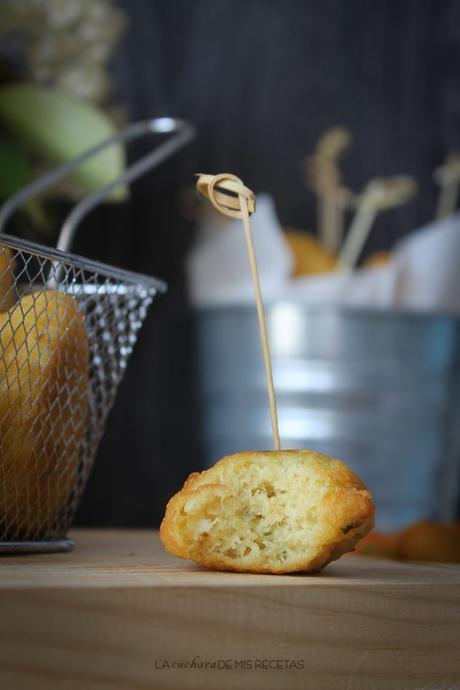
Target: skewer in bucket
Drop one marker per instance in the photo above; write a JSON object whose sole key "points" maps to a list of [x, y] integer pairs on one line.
{"points": [[380, 194], [447, 176], [323, 176], [228, 195]]}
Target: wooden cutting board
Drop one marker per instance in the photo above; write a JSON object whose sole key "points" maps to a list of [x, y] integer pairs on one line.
{"points": [[119, 613]]}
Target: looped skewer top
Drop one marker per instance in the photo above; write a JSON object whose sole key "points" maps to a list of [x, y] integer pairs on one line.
{"points": [[225, 192], [323, 176]]}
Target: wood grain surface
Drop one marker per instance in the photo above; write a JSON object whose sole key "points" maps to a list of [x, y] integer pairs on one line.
{"points": [[118, 612]]}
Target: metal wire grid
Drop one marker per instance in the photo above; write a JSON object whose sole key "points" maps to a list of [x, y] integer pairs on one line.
{"points": [[67, 328]]}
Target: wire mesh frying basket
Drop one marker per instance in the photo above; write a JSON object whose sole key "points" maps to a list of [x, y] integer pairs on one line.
{"points": [[67, 328]]}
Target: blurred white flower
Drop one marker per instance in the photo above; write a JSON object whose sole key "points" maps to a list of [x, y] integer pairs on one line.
{"points": [[66, 42]]}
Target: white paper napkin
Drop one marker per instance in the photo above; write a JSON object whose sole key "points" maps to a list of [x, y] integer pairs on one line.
{"points": [[218, 266]]}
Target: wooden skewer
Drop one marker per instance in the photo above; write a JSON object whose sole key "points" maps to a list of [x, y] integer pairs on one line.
{"points": [[228, 195], [356, 238], [447, 176], [379, 194], [323, 176], [330, 219]]}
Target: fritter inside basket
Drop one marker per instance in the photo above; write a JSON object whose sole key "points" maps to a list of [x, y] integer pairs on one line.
{"points": [[43, 410], [268, 512], [8, 293]]}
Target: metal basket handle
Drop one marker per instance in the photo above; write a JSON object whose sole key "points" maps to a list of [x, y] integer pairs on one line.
{"points": [[184, 133]]}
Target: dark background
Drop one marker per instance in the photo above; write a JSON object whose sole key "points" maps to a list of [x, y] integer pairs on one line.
{"points": [[261, 80]]}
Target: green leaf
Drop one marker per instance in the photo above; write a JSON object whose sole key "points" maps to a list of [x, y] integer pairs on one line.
{"points": [[58, 128], [14, 168]]}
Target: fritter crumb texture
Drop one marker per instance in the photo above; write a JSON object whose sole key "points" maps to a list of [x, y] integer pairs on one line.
{"points": [[268, 512]]}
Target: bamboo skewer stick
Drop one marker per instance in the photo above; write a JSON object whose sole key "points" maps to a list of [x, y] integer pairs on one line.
{"points": [[447, 176], [262, 325], [379, 194], [330, 220], [357, 235], [324, 177], [228, 195]]}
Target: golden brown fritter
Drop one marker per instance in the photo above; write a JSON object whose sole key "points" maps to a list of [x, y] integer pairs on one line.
{"points": [[43, 409], [8, 293], [268, 512]]}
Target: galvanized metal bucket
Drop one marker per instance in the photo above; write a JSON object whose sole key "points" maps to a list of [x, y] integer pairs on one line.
{"points": [[378, 389]]}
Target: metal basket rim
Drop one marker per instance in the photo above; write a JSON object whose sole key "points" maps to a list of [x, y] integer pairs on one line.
{"points": [[83, 263]]}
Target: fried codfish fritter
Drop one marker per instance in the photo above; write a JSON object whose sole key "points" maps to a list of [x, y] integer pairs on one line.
{"points": [[7, 268], [44, 358], [268, 512]]}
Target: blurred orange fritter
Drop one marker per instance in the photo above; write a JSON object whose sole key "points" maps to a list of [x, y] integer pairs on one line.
{"points": [[430, 541], [425, 540], [378, 259], [378, 544], [310, 256]]}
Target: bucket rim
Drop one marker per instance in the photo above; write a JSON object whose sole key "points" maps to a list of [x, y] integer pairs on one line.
{"points": [[327, 308]]}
